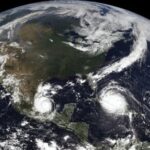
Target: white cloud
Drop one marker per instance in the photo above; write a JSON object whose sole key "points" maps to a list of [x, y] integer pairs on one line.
{"points": [[46, 146]]}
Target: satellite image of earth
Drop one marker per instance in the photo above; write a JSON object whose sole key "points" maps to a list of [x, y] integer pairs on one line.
{"points": [[74, 75]]}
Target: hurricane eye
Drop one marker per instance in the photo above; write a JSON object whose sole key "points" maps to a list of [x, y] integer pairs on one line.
{"points": [[113, 102]]}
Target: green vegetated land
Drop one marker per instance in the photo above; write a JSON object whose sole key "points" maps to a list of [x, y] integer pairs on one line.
{"points": [[46, 56], [63, 120]]}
